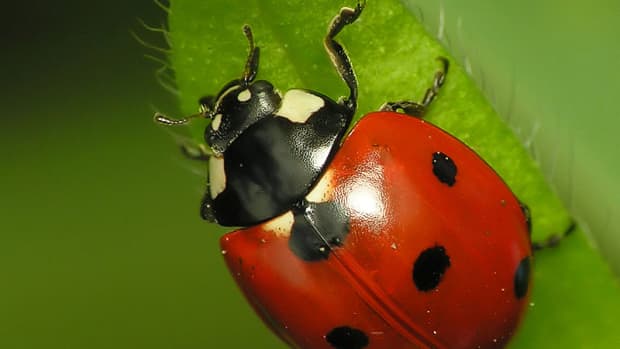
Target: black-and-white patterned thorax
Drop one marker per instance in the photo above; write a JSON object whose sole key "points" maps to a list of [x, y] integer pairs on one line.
{"points": [[269, 150]]}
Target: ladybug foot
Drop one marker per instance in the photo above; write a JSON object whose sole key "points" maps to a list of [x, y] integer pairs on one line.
{"points": [[418, 109], [554, 239], [196, 152], [407, 107]]}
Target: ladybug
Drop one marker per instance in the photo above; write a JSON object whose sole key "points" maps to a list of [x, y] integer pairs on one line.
{"points": [[391, 235]]}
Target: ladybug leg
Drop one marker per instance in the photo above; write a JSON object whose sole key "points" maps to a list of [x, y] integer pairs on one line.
{"points": [[440, 78], [337, 54], [193, 152], [408, 107], [418, 109], [196, 152], [206, 104], [206, 207], [528, 217], [554, 239]]}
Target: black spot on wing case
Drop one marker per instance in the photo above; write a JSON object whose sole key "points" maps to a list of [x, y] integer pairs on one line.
{"points": [[444, 168]]}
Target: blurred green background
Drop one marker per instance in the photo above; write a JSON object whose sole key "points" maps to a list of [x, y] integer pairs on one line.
{"points": [[101, 244], [100, 241]]}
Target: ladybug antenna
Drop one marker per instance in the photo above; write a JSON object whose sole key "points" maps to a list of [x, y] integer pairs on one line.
{"points": [[204, 111], [164, 120], [251, 65]]}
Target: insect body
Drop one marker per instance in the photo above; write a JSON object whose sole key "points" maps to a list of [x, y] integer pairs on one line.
{"points": [[395, 235]]}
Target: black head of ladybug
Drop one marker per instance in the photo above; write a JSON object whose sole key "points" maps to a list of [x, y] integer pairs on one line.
{"points": [[238, 105]]}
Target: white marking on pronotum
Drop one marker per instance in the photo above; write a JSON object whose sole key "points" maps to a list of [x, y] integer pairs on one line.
{"points": [[217, 121], [321, 191], [282, 225], [299, 105], [244, 95], [217, 176]]}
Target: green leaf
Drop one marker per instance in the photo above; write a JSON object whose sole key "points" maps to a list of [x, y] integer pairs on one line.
{"points": [[575, 302]]}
